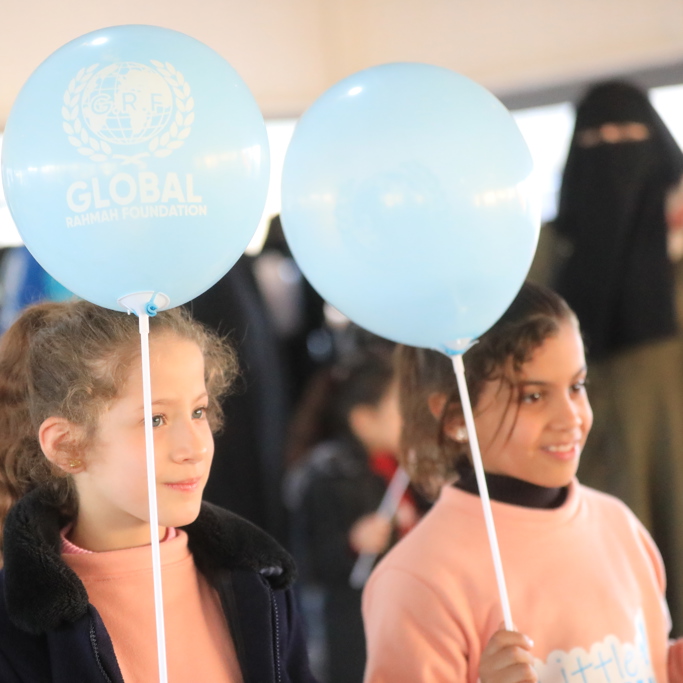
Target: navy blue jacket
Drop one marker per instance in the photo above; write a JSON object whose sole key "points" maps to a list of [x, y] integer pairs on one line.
{"points": [[49, 633]]}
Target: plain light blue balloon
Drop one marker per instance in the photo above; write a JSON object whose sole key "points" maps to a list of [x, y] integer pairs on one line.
{"points": [[135, 159], [408, 202]]}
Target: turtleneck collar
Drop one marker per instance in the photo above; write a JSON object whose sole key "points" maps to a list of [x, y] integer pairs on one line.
{"points": [[512, 491]]}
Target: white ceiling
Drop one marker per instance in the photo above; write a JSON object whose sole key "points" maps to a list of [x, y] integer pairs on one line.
{"points": [[290, 51]]}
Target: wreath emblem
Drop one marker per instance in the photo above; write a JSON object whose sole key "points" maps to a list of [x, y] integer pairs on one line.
{"points": [[161, 145]]}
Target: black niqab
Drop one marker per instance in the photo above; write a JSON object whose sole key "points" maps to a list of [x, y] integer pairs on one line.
{"points": [[618, 278]]}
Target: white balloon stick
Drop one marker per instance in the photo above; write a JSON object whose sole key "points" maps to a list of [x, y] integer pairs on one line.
{"points": [[152, 494], [393, 496], [387, 508], [143, 304], [459, 368]]}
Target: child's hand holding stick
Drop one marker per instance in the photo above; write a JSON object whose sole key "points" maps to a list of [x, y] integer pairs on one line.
{"points": [[387, 509]]}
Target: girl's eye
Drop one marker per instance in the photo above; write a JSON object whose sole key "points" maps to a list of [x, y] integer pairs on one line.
{"points": [[199, 413], [532, 397], [579, 386], [157, 420]]}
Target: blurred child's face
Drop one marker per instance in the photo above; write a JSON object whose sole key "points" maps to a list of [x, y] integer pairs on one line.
{"points": [[535, 431], [113, 507], [379, 427]]}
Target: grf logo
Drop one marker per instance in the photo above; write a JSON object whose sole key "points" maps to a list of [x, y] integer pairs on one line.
{"points": [[143, 110]]}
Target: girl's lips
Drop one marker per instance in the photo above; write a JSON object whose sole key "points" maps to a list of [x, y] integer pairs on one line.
{"points": [[187, 485], [566, 451]]}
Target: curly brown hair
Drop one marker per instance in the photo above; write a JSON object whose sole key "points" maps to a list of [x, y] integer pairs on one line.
{"points": [[70, 360], [428, 455]]}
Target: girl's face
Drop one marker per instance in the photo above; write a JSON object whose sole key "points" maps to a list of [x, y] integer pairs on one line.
{"points": [[535, 430], [113, 509]]}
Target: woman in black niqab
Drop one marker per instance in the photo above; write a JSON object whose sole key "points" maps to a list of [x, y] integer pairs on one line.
{"points": [[622, 164]]}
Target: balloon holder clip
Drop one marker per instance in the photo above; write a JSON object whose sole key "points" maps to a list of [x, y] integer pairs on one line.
{"points": [[144, 303], [458, 346]]}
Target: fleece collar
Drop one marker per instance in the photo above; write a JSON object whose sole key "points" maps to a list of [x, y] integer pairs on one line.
{"points": [[41, 591]]}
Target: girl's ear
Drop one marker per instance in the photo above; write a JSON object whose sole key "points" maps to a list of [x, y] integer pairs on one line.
{"points": [[437, 403], [454, 423], [57, 437]]}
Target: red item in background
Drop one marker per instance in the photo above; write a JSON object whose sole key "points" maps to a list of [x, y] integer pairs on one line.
{"points": [[384, 464]]}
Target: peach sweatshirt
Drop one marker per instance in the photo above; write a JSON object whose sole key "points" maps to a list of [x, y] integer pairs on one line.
{"points": [[585, 580], [120, 586]]}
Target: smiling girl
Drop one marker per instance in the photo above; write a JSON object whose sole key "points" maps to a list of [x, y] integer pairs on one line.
{"points": [[76, 590], [585, 581]]}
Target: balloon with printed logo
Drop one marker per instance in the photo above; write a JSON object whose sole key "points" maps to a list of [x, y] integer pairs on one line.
{"points": [[135, 159], [408, 202]]}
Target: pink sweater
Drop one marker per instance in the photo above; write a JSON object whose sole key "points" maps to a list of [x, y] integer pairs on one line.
{"points": [[120, 586], [585, 580]]}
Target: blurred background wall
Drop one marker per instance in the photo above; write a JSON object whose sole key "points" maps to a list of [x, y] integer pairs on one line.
{"points": [[290, 51], [530, 53]]}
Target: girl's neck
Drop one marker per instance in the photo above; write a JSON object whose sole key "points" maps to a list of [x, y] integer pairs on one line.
{"points": [[504, 489], [95, 540]]}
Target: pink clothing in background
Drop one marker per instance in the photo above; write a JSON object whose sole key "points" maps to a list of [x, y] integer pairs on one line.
{"points": [[585, 581], [120, 586]]}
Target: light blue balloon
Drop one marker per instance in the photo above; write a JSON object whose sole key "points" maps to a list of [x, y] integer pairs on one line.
{"points": [[408, 202], [135, 159]]}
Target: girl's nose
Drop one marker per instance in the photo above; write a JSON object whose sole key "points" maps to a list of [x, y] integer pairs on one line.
{"points": [[568, 414], [189, 443]]}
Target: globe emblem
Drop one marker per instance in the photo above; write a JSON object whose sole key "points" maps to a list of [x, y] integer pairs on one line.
{"points": [[127, 103]]}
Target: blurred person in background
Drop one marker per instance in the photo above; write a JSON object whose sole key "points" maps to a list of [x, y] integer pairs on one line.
{"points": [[296, 310], [621, 170], [342, 454], [275, 320], [246, 475]]}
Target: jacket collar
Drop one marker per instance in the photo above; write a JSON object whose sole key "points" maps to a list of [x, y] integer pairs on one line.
{"points": [[41, 591]]}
